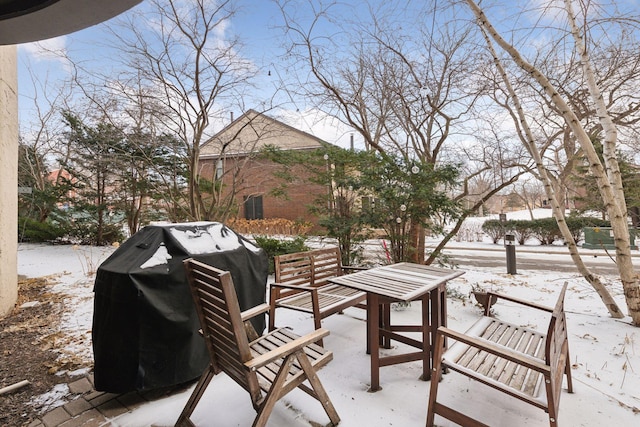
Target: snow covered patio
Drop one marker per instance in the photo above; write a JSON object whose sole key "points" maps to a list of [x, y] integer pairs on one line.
{"points": [[605, 356]]}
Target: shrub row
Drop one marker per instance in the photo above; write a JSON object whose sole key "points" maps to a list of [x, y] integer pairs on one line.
{"points": [[273, 247], [546, 230], [82, 232], [274, 226]]}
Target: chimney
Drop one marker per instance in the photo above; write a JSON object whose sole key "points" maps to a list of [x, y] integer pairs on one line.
{"points": [[231, 116], [352, 147]]}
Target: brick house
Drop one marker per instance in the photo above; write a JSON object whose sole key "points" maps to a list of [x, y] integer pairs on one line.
{"points": [[232, 155]]}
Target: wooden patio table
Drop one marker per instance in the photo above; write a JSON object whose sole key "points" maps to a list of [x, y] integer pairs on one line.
{"points": [[402, 282]]}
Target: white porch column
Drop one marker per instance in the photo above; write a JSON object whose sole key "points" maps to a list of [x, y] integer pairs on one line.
{"points": [[8, 179]]}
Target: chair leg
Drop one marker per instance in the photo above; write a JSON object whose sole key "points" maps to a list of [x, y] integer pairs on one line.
{"points": [[197, 393], [317, 319], [273, 394], [435, 379], [567, 371], [272, 317], [318, 388], [317, 323]]}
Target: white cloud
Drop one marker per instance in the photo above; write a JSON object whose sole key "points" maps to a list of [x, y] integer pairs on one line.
{"points": [[54, 49], [321, 125]]}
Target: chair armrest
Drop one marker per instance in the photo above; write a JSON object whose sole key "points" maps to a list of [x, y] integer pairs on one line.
{"points": [[496, 349], [520, 301], [353, 268], [293, 287], [286, 349], [254, 311]]}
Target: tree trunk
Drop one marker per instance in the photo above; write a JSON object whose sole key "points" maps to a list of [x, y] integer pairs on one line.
{"points": [[586, 144], [616, 207], [417, 242]]}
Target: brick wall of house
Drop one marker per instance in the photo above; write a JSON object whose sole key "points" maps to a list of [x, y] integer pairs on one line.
{"points": [[257, 180]]}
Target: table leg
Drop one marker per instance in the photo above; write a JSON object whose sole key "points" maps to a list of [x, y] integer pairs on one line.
{"points": [[368, 321], [385, 323], [425, 327], [373, 335], [437, 305]]}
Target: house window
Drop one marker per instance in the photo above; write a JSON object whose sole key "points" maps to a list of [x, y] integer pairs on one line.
{"points": [[368, 204], [219, 169], [253, 207]]}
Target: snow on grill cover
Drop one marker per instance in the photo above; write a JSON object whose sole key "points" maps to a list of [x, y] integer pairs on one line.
{"points": [[145, 328]]}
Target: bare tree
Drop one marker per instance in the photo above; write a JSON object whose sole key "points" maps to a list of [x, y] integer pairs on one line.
{"points": [[42, 148], [529, 193], [607, 172], [180, 52], [405, 88]]}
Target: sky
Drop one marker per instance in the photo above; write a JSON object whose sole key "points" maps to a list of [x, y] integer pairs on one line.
{"points": [[259, 25], [255, 23]]}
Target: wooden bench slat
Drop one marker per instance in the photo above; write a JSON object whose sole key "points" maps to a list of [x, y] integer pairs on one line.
{"points": [[508, 372], [518, 379], [491, 362], [500, 365]]}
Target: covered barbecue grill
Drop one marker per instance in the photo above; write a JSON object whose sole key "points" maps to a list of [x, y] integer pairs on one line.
{"points": [[145, 328]]}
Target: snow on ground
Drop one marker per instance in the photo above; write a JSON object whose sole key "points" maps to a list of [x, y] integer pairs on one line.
{"points": [[72, 269], [605, 355]]}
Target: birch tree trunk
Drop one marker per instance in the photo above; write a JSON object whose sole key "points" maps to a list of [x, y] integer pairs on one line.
{"points": [[610, 195], [617, 211], [526, 135]]}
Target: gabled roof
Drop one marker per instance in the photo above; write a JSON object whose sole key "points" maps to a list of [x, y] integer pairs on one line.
{"points": [[250, 132]]}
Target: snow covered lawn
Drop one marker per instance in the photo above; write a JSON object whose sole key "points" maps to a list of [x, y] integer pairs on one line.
{"points": [[605, 356]]}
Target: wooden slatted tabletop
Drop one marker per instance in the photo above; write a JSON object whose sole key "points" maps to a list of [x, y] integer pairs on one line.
{"points": [[403, 281]]}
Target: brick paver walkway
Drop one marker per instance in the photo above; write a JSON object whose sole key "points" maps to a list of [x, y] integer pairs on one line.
{"points": [[89, 408]]}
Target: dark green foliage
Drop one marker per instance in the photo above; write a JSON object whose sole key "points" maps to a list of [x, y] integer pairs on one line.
{"points": [[31, 230], [338, 208], [95, 165], [494, 229], [367, 190], [273, 247], [86, 229], [152, 172], [546, 230], [409, 196], [591, 199], [521, 229], [43, 193]]}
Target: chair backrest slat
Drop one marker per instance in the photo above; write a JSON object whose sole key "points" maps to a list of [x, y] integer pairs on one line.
{"points": [[220, 317], [310, 268]]}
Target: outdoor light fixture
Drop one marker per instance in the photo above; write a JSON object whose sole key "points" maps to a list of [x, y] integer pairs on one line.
{"points": [[23, 21]]}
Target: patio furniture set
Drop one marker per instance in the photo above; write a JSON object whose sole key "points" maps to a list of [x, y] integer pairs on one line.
{"points": [[520, 362]]}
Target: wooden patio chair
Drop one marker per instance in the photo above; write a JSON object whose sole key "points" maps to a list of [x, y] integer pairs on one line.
{"points": [[267, 368], [303, 283], [521, 362]]}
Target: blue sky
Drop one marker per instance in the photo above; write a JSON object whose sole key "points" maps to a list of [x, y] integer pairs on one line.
{"points": [[255, 24]]}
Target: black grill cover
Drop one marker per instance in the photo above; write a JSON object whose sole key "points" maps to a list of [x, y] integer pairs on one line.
{"points": [[145, 328]]}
